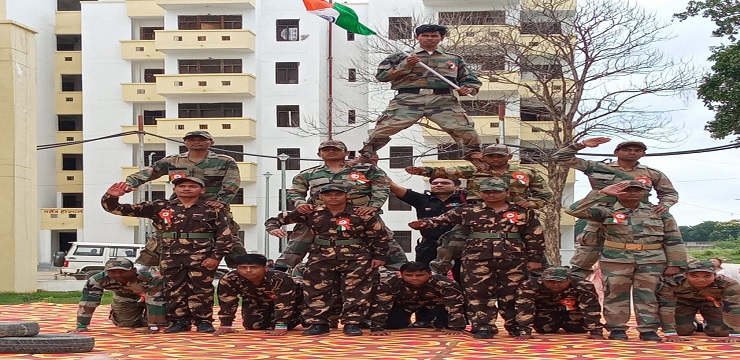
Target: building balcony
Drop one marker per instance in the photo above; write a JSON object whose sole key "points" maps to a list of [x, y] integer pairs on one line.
{"points": [[133, 50], [134, 139], [68, 62], [535, 130], [472, 35], [202, 84], [244, 214], [183, 4], [485, 126], [143, 8], [67, 136], [62, 218], [69, 102], [141, 93], [222, 39], [247, 171], [556, 87], [218, 127], [69, 181], [496, 82], [68, 23]]}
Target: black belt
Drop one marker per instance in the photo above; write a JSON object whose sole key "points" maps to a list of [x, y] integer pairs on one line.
{"points": [[418, 90]]}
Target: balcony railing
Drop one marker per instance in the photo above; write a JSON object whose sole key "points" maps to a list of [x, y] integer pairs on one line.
{"points": [[141, 93], [140, 50], [61, 218], [226, 127], [202, 84], [222, 39]]}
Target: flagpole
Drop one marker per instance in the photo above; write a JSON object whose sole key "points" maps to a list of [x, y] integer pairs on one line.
{"points": [[330, 100]]}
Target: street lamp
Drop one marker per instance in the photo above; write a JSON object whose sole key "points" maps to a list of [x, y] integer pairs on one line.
{"points": [[283, 192], [267, 211]]}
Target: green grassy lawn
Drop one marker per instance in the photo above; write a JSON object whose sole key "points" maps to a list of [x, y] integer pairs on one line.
{"points": [[57, 297]]}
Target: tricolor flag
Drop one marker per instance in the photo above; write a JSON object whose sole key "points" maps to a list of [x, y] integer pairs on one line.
{"points": [[339, 14]]}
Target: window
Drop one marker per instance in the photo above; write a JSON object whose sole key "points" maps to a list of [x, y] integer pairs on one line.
{"points": [[495, 17], [294, 163], [401, 157], [486, 62], [482, 107], [287, 29], [235, 151], [69, 5], [156, 195], [286, 72], [547, 71], [71, 200], [71, 82], [400, 28], [210, 66], [151, 116], [71, 161], [149, 75], [351, 117], [69, 122], [350, 36], [403, 238], [288, 116], [147, 33], [534, 113], [69, 42], [87, 250], [239, 197], [156, 155], [288, 204], [352, 75], [449, 152], [534, 155], [122, 252], [209, 22], [209, 110], [541, 28], [395, 204]]}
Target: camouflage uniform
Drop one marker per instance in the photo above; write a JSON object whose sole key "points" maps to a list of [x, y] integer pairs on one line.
{"points": [[495, 256], [576, 309], [189, 236], [421, 94], [138, 303], [220, 174], [638, 246], [600, 175], [524, 185], [718, 304], [275, 300], [341, 254], [367, 185], [395, 301]]}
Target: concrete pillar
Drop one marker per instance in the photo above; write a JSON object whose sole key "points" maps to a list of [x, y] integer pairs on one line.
{"points": [[45, 249], [18, 174]]}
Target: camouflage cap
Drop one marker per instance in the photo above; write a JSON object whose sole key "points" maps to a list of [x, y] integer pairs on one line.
{"points": [[496, 149], [493, 184], [200, 133], [333, 187], [119, 264], [556, 273], [700, 265], [624, 144], [333, 143], [637, 184], [189, 178]]}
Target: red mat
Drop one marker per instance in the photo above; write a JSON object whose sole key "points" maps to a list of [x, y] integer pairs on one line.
{"points": [[405, 344]]}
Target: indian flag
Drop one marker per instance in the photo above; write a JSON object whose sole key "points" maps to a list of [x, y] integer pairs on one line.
{"points": [[339, 14]]}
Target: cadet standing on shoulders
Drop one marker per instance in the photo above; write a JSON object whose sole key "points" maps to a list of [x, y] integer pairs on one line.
{"points": [[195, 237], [220, 174], [348, 249], [556, 300], [700, 290], [639, 247], [137, 297], [422, 94], [269, 298], [601, 175], [505, 243]]}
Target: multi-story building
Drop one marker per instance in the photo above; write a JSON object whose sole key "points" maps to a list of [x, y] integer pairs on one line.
{"points": [[254, 73]]}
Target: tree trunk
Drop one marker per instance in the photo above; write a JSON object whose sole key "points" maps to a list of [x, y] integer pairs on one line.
{"points": [[551, 215]]}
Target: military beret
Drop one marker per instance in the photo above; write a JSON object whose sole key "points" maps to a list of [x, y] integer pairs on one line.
{"points": [[119, 264], [624, 144], [332, 187], [200, 133], [556, 273], [700, 265], [188, 178], [493, 184], [333, 143]]}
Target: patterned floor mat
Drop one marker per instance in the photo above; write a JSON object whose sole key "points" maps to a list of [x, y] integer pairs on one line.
{"points": [[401, 345]]}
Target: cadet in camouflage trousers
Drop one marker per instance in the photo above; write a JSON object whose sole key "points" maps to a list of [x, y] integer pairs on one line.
{"points": [[505, 243], [347, 250], [716, 297], [270, 299], [639, 247], [137, 297], [554, 301], [195, 237], [219, 172], [527, 188], [368, 190], [422, 94], [600, 174], [397, 297]]}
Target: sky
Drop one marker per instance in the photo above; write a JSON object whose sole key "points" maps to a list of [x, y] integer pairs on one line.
{"points": [[707, 183]]}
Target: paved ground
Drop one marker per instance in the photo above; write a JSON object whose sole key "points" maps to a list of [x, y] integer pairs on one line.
{"points": [[401, 345]]}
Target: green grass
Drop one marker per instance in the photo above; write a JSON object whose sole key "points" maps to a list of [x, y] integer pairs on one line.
{"points": [[57, 297], [715, 252]]}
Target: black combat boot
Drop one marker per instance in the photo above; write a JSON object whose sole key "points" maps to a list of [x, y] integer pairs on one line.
{"points": [[204, 327], [178, 326], [317, 329], [352, 330], [650, 336], [618, 335]]}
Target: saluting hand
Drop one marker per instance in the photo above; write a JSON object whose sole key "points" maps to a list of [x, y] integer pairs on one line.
{"points": [[594, 142], [616, 189], [278, 232], [119, 189], [417, 225], [414, 170], [304, 208]]}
